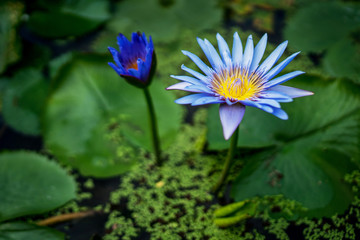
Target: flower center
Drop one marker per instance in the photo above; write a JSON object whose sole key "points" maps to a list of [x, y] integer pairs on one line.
{"points": [[133, 64], [236, 84]]}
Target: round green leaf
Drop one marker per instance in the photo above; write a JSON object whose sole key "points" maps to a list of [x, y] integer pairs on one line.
{"points": [[78, 117], [316, 147], [342, 60], [31, 184], [27, 231], [318, 26], [24, 100], [74, 18], [189, 16]]}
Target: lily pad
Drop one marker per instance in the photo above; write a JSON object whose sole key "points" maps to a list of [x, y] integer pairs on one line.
{"points": [[32, 184], [315, 148], [73, 18], [23, 101], [343, 60], [27, 231], [323, 24], [78, 117], [164, 21]]}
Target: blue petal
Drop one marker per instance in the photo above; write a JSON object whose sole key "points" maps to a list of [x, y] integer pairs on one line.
{"points": [[291, 92], [206, 51], [281, 100], [218, 64], [258, 53], [150, 45], [134, 73], [190, 98], [223, 49], [198, 62], [143, 70], [123, 42], [180, 86], [196, 74], [229, 102], [248, 54], [267, 108], [273, 94], [230, 117], [278, 112], [282, 79], [250, 103], [115, 55], [117, 69], [276, 70], [237, 50], [207, 100], [272, 58], [188, 79], [269, 102], [201, 88]]}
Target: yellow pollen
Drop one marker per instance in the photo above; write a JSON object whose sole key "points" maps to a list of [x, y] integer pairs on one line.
{"points": [[235, 84]]}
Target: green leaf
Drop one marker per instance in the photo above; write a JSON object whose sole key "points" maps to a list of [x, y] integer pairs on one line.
{"points": [[31, 184], [78, 117], [316, 147], [164, 21], [27, 231], [23, 101], [145, 16], [189, 16], [73, 18], [342, 60], [323, 24]]}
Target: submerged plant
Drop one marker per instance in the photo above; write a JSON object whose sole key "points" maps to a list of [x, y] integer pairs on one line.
{"points": [[136, 63], [238, 80]]}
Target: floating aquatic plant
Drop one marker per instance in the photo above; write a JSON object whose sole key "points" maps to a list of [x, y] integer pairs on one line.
{"points": [[237, 80], [136, 63]]}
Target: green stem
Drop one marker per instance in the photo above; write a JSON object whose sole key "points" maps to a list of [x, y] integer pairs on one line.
{"points": [[153, 126], [228, 161]]}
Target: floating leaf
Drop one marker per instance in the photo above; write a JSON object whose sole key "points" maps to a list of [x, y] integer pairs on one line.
{"points": [[73, 18], [23, 101], [316, 147], [27, 231], [343, 60], [189, 16], [145, 16], [31, 184], [164, 21], [79, 113], [323, 24]]}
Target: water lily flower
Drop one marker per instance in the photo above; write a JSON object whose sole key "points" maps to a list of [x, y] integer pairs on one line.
{"points": [[237, 80], [136, 61]]}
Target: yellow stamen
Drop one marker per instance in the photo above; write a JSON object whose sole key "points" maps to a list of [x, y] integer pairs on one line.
{"points": [[236, 84]]}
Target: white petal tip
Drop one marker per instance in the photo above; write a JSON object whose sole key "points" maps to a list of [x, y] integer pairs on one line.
{"points": [[227, 136]]}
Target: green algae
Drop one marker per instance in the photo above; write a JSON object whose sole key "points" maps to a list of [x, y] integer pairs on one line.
{"points": [[173, 202]]}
